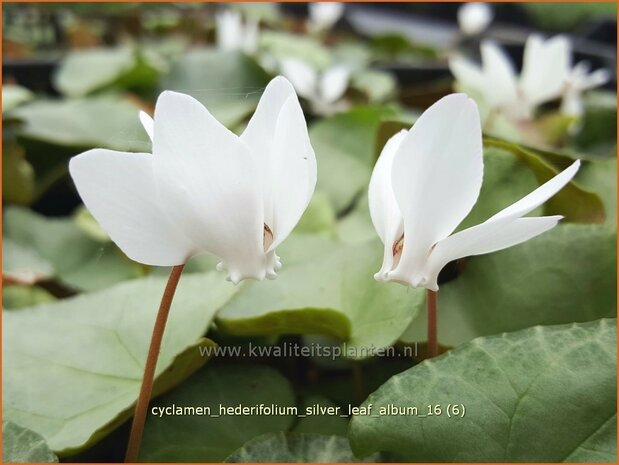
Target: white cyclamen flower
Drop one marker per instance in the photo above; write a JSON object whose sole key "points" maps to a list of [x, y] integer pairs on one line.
{"points": [[205, 189], [323, 15], [546, 64], [580, 79], [425, 183], [233, 34], [474, 17], [322, 89]]}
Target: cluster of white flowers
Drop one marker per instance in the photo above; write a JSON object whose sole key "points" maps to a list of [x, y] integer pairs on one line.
{"points": [[547, 74], [323, 89], [206, 190]]}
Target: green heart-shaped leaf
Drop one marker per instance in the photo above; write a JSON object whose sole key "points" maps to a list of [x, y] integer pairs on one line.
{"points": [[545, 394]]}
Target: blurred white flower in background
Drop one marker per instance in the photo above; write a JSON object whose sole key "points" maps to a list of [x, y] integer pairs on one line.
{"points": [[234, 33], [323, 89], [545, 70], [474, 18], [425, 183], [323, 15], [579, 79], [204, 189]]}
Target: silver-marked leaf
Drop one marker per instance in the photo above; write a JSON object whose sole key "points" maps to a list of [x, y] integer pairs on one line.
{"points": [[296, 448]]}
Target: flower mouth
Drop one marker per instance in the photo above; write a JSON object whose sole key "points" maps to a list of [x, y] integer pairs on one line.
{"points": [[267, 237], [397, 250]]}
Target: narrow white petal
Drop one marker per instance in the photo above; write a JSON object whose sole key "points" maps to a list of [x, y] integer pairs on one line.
{"points": [[500, 75], [148, 124], [533, 200], [572, 104], [333, 83], [384, 210], [292, 170], [119, 190], [209, 184], [437, 174], [302, 76], [484, 238], [596, 79], [545, 68], [468, 74]]}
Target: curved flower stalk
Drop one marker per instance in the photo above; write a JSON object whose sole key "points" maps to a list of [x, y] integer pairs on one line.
{"points": [[204, 189], [474, 18], [323, 90], [425, 183], [323, 15], [232, 33], [580, 79], [545, 69]]}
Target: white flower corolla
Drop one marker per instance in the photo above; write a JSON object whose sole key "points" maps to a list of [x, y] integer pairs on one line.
{"points": [[580, 79], [323, 15], [233, 34], [205, 189], [424, 184], [474, 17], [545, 68], [322, 89]]}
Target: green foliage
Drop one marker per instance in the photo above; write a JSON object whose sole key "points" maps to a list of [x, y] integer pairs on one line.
{"points": [[295, 448], [104, 121], [229, 84], [83, 72], [203, 438], [343, 300], [76, 392], [43, 248], [21, 445], [344, 144], [543, 394]]}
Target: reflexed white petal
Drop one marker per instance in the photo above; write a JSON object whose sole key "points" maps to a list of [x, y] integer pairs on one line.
{"points": [[468, 74], [437, 174], [533, 200], [323, 15], [120, 191], [259, 135], [209, 184], [545, 68], [474, 17], [491, 236], [384, 209], [333, 83], [597, 78], [302, 76], [148, 124], [500, 75], [292, 170]]}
